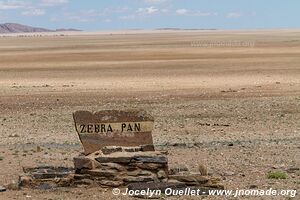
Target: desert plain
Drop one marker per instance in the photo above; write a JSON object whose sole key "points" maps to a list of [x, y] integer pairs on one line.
{"points": [[234, 108]]}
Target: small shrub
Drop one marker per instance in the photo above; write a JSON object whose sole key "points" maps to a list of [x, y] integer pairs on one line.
{"points": [[202, 169], [277, 175]]}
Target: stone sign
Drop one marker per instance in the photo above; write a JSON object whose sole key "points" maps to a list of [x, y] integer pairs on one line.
{"points": [[113, 128]]}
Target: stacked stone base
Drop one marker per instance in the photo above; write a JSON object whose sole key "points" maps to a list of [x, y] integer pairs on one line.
{"points": [[132, 167], [121, 166]]}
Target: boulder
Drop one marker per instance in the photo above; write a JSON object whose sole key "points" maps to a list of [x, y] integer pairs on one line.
{"points": [[83, 162]]}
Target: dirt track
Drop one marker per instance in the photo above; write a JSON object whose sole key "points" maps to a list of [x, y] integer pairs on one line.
{"points": [[236, 109]]}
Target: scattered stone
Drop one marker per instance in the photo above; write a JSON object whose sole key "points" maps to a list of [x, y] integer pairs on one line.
{"points": [[292, 169], [2, 189], [13, 135], [35, 177], [229, 90], [253, 187]]}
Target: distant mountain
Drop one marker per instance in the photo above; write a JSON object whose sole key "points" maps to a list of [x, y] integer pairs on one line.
{"points": [[186, 29], [19, 28], [67, 29]]}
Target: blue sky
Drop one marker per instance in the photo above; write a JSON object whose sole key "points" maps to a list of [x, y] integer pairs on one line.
{"points": [[151, 14]]}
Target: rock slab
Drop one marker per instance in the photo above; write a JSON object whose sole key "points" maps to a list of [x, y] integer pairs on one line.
{"points": [[114, 128]]}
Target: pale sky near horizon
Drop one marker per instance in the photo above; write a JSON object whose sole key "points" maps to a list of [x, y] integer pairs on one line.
{"points": [[151, 14]]}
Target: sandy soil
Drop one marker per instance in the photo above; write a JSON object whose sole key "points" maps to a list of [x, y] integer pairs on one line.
{"points": [[234, 108]]}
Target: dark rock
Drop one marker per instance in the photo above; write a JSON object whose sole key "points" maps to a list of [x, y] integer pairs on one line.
{"points": [[152, 159], [83, 163], [292, 169], [124, 159], [147, 148], [2, 189], [138, 179], [253, 187]]}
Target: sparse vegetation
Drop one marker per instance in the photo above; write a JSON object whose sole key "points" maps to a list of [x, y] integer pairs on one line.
{"points": [[277, 175], [202, 169]]}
